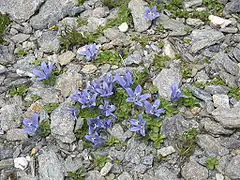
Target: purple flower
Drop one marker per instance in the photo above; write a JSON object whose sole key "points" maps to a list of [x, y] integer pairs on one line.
{"points": [[75, 97], [139, 125], [45, 73], [95, 139], [95, 124], [125, 81], [31, 126], [74, 112], [107, 109], [153, 109], [87, 99], [105, 89], [176, 93], [89, 51], [151, 14], [108, 123], [136, 97]]}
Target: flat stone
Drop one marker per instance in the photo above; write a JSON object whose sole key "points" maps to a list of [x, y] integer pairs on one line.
{"points": [[6, 55], [69, 82], [231, 30], [106, 169], [50, 167], [2, 69], [52, 11], [165, 79], [202, 94], [233, 6], [169, 50], [140, 168], [6, 163], [194, 171], [94, 175], [19, 38], [236, 52], [165, 151], [232, 169], [191, 3], [94, 23], [100, 12], [49, 42], [89, 69], [124, 176], [6, 152], [10, 117], [148, 160], [62, 124], [194, 22], [66, 57], [72, 164], [24, 66], [216, 89], [16, 135], [163, 173], [204, 38], [114, 33], [214, 127], [135, 58], [221, 101], [20, 10], [218, 21], [117, 131], [137, 8], [211, 145], [229, 118]]}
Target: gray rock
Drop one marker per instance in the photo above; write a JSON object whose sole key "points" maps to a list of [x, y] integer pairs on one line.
{"points": [[135, 58], [205, 38], [10, 117], [6, 55], [116, 154], [124, 176], [69, 82], [50, 167], [216, 89], [191, 3], [2, 69], [221, 61], [165, 79], [20, 10], [163, 173], [214, 127], [62, 124], [233, 6], [221, 101], [236, 52], [49, 42], [100, 12], [106, 169], [72, 164], [48, 95], [232, 169], [52, 11], [16, 135], [177, 27], [19, 38], [165, 151], [94, 23], [24, 66], [66, 57], [229, 118], [231, 30], [137, 8], [148, 160], [140, 168], [201, 77], [89, 69], [117, 132], [94, 175], [6, 163], [194, 22], [211, 145], [6, 152], [114, 33], [193, 171], [202, 94]]}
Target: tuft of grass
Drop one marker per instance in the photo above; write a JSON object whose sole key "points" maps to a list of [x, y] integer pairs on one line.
{"points": [[188, 143], [108, 57], [141, 40], [140, 78], [51, 81], [4, 22], [78, 174], [112, 141], [214, 7], [50, 107], [37, 62], [217, 81], [45, 129], [160, 29], [235, 92], [81, 21], [18, 91], [160, 61], [161, 44], [212, 162], [100, 161], [80, 2], [21, 53], [170, 108], [186, 72], [189, 101], [35, 97], [111, 3]]}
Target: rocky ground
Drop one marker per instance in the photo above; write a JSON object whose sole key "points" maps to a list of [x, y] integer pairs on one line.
{"points": [[196, 139]]}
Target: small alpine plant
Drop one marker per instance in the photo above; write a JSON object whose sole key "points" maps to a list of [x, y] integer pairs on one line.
{"points": [[176, 93], [139, 125], [89, 51], [151, 14], [46, 71], [31, 125]]}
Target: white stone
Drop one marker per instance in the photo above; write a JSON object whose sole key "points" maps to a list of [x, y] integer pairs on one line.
{"points": [[221, 101], [66, 57], [219, 176], [20, 163], [218, 21], [123, 27], [168, 49], [105, 170], [166, 151], [89, 69]]}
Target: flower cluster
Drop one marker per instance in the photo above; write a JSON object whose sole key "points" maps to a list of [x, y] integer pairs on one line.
{"points": [[98, 93], [89, 51], [46, 71], [151, 14], [31, 125]]}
